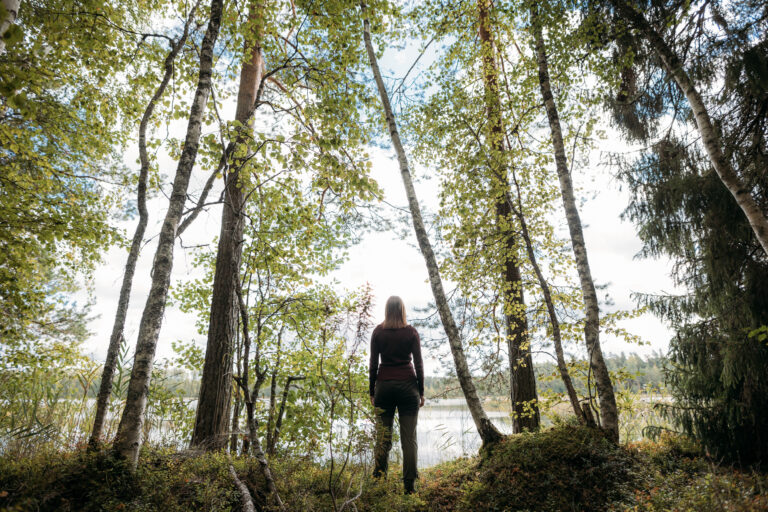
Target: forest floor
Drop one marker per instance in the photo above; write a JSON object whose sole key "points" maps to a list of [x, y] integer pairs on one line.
{"points": [[563, 468]]}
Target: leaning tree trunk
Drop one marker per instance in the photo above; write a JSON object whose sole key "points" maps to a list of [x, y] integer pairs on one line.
{"points": [[128, 440], [608, 411], [522, 379], [736, 186], [9, 14], [105, 388], [487, 431], [213, 406], [553, 320]]}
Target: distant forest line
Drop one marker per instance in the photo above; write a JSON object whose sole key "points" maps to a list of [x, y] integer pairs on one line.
{"points": [[633, 372]]}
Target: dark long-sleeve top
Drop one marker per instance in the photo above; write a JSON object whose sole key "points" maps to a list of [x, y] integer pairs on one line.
{"points": [[395, 347]]}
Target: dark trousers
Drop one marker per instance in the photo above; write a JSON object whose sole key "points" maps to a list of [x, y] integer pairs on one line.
{"points": [[402, 395]]}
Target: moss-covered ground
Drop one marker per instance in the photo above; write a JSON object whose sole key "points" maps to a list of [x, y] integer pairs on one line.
{"points": [[560, 469]]}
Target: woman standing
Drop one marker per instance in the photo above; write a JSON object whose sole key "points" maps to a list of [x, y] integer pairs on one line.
{"points": [[396, 384]]}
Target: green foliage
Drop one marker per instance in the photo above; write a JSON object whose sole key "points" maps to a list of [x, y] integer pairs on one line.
{"points": [[65, 113], [683, 211], [674, 476], [45, 395]]}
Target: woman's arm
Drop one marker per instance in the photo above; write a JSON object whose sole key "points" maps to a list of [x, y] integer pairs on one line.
{"points": [[418, 364], [373, 364]]}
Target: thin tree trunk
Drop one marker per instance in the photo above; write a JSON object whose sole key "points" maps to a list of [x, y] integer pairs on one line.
{"points": [[522, 379], [272, 445], [250, 399], [739, 190], [192, 214], [553, 320], [272, 406], [235, 424], [608, 409], [213, 406], [11, 8], [128, 439], [238, 401], [487, 431], [105, 388]]}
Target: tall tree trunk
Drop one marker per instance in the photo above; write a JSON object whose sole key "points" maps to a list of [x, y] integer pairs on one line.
{"points": [[9, 14], [487, 431], [105, 388], [608, 411], [522, 379], [128, 439], [213, 406], [739, 190]]}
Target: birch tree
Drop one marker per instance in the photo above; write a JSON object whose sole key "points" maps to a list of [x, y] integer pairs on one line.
{"points": [[117, 336], [487, 431], [675, 67], [128, 440], [9, 11], [608, 409]]}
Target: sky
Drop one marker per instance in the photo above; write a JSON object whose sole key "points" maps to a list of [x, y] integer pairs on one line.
{"points": [[393, 266]]}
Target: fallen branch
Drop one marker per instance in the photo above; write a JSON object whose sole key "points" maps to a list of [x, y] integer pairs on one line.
{"points": [[245, 494]]}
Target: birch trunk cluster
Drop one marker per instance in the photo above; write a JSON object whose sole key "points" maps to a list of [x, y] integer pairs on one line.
{"points": [[129, 434], [117, 337]]}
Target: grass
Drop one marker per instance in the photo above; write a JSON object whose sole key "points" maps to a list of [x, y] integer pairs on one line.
{"points": [[563, 468]]}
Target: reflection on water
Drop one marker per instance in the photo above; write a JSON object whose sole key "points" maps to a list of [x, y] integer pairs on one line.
{"points": [[446, 431]]}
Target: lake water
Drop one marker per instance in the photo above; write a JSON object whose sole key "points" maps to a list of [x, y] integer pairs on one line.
{"points": [[446, 431]]}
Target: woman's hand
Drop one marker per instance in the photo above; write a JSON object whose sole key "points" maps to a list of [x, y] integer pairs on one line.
{"points": [[421, 401]]}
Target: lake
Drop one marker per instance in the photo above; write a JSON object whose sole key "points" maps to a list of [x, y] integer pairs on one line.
{"points": [[446, 431]]}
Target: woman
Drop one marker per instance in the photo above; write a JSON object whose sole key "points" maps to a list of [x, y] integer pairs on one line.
{"points": [[396, 384]]}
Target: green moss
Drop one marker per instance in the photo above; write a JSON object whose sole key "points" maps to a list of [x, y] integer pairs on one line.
{"points": [[566, 467], [562, 468]]}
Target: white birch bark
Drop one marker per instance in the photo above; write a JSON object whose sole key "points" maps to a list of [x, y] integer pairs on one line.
{"points": [[606, 397], [128, 440], [105, 388], [11, 12], [488, 432]]}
